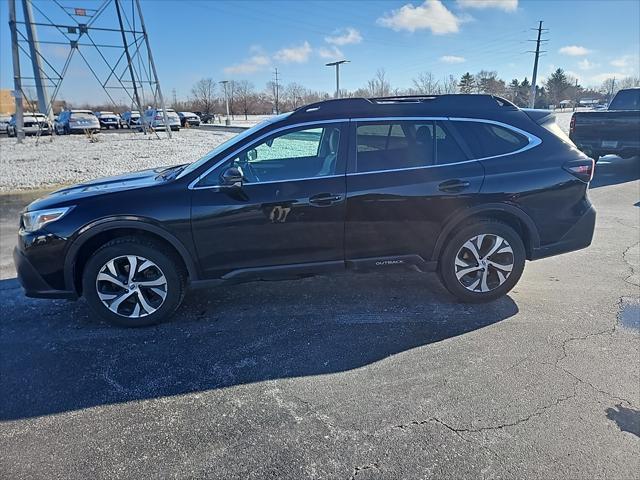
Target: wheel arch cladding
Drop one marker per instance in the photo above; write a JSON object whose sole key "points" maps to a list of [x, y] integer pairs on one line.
{"points": [[509, 214], [92, 239]]}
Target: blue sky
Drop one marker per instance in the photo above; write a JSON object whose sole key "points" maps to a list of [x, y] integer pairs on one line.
{"points": [[192, 39]]}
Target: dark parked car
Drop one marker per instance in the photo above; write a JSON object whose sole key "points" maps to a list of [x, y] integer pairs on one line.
{"points": [[469, 186], [612, 131], [188, 118]]}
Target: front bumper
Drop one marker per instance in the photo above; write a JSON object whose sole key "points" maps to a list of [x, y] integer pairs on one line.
{"points": [[32, 282], [577, 238]]}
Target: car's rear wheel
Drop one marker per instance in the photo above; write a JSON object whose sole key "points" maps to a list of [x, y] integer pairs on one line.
{"points": [[482, 261], [133, 282]]}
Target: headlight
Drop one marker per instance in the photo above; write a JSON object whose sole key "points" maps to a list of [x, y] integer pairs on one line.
{"points": [[35, 220]]}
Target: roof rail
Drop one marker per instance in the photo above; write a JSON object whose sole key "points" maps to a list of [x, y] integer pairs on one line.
{"points": [[416, 104]]}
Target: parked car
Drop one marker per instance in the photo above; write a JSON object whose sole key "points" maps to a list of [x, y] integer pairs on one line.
{"points": [[34, 123], [77, 121], [469, 186], [4, 123], [614, 131], [189, 118], [205, 117], [131, 119], [154, 117], [108, 120]]}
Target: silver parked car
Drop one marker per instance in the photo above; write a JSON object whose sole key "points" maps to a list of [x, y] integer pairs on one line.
{"points": [[78, 121], [34, 123], [154, 117]]}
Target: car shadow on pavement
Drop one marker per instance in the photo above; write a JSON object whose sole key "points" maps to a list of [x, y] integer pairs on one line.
{"points": [[612, 170], [627, 419], [56, 357]]}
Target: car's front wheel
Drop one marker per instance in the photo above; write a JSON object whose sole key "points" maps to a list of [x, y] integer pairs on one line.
{"points": [[133, 282], [482, 261]]}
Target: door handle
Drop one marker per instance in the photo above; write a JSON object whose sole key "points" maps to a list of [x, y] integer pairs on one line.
{"points": [[453, 185], [324, 199]]}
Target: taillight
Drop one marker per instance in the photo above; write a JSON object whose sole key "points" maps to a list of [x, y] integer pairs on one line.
{"points": [[572, 124], [582, 169]]}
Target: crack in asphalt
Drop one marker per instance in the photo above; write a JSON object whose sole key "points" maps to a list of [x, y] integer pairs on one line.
{"points": [[369, 466], [499, 426], [630, 265]]}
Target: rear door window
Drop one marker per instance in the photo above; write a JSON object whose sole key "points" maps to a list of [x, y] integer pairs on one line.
{"points": [[447, 148], [394, 145], [488, 139]]}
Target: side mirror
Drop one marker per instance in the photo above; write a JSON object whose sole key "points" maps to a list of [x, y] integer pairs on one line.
{"points": [[232, 177], [252, 155]]}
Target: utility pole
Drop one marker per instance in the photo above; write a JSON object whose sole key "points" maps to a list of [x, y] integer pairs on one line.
{"points": [[337, 65], [224, 83], [17, 84], [532, 96], [34, 50], [153, 67], [276, 92]]}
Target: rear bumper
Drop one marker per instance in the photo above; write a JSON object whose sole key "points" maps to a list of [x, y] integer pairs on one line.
{"points": [[623, 149], [32, 283], [577, 238]]}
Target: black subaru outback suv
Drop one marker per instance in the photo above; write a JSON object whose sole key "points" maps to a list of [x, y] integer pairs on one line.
{"points": [[469, 186]]}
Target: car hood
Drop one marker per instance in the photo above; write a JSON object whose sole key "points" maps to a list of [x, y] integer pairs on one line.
{"points": [[101, 186]]}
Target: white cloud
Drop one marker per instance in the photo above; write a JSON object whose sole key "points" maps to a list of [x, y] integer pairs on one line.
{"points": [[332, 53], [298, 54], [506, 5], [585, 64], [251, 65], [432, 15], [452, 59], [347, 37], [623, 61], [574, 51], [601, 77]]}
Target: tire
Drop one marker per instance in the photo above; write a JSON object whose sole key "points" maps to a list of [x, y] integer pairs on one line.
{"points": [[474, 286], [139, 306], [66, 130]]}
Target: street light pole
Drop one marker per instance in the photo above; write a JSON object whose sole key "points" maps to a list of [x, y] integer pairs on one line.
{"points": [[226, 99], [337, 65]]}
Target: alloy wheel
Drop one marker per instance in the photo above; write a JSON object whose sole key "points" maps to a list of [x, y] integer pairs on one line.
{"points": [[131, 286], [484, 263]]}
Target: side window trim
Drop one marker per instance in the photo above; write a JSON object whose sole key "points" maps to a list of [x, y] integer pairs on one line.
{"points": [[194, 184]]}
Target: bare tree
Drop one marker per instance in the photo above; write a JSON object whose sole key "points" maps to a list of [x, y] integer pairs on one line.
{"points": [[245, 94], [294, 95], [426, 84], [379, 86], [204, 95], [449, 85]]}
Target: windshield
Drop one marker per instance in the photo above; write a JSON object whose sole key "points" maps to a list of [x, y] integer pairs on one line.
{"points": [[82, 115], [232, 141]]}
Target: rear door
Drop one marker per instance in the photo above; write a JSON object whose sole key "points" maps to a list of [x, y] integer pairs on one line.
{"points": [[405, 178]]}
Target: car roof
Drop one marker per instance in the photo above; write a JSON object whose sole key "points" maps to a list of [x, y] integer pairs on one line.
{"points": [[409, 105], [81, 111]]}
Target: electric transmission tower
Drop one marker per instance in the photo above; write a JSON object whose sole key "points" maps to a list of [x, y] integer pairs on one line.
{"points": [[110, 40]]}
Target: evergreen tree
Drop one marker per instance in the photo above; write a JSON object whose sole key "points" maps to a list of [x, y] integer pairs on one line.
{"points": [[467, 83], [556, 86]]}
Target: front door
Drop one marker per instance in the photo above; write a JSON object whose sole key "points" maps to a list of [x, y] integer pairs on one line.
{"points": [[287, 214]]}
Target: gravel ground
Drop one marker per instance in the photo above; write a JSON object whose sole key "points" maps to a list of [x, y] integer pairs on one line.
{"points": [[73, 159]]}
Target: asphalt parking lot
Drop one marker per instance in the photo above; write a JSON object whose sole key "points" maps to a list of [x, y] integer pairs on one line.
{"points": [[380, 376]]}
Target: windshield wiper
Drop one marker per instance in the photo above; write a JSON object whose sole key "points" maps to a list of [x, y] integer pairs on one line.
{"points": [[171, 172]]}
